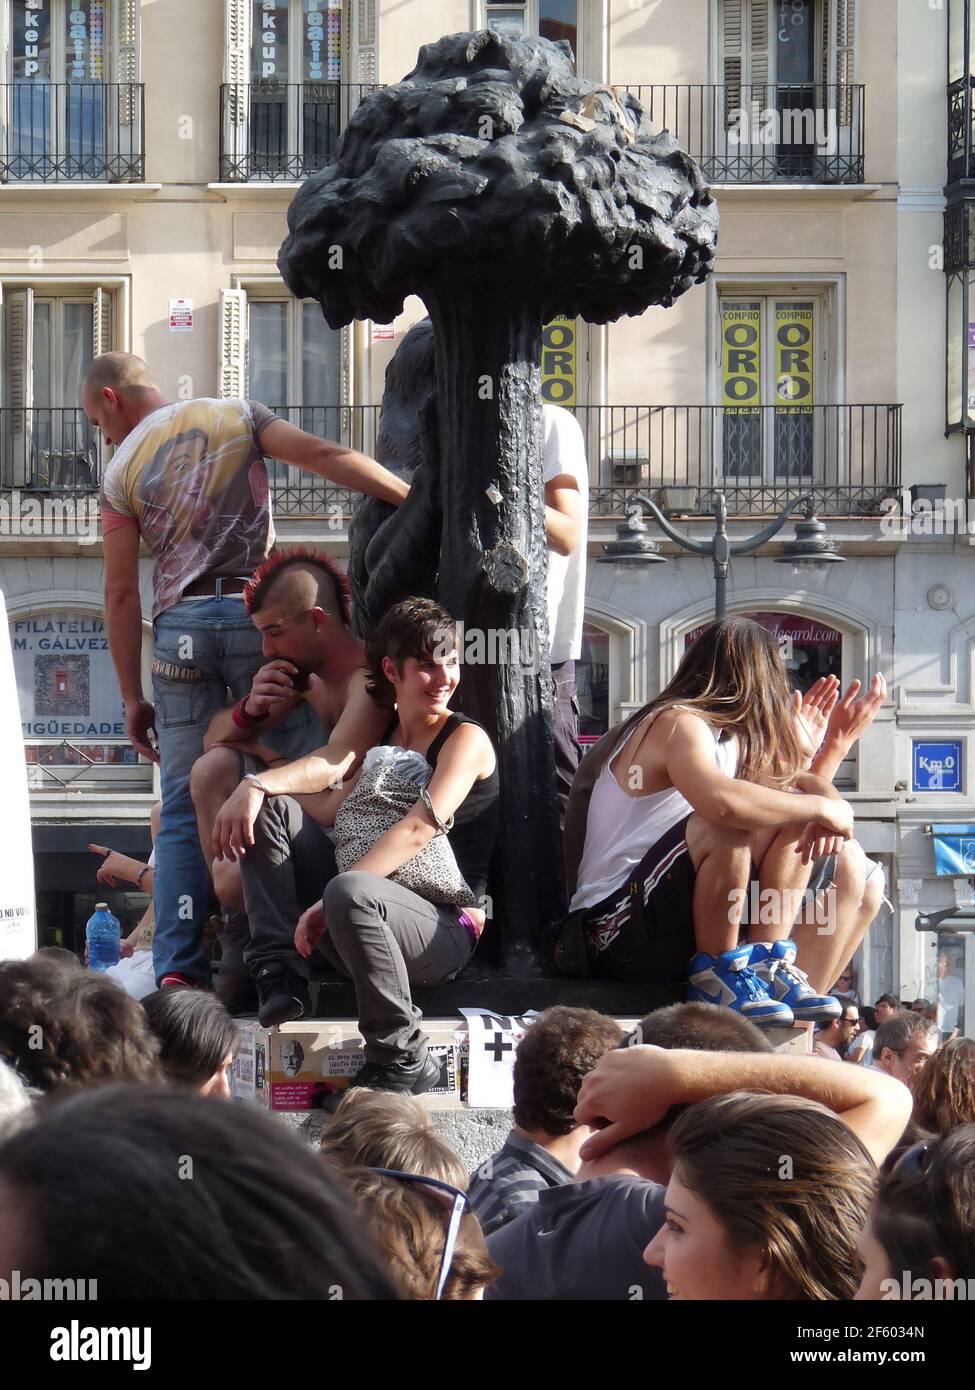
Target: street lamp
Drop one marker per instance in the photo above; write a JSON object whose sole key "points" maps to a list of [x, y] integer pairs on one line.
{"points": [[809, 548]]}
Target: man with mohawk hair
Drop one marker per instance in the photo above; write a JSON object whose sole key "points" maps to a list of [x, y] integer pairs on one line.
{"points": [[299, 603]]}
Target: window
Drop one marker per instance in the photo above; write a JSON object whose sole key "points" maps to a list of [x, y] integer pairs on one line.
{"points": [[282, 352], [774, 358], [550, 19], [592, 684], [285, 67], [49, 341], [809, 649], [71, 107], [786, 70]]}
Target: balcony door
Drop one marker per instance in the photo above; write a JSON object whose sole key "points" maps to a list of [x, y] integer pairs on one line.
{"points": [[786, 110], [774, 362], [49, 344], [283, 111], [60, 118]]}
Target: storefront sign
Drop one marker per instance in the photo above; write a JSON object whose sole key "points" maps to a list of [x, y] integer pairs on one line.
{"points": [[936, 766], [741, 356], [559, 340], [793, 360], [17, 920], [66, 682]]}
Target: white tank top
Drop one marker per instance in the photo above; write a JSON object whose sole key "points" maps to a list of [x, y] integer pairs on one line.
{"points": [[621, 828]]}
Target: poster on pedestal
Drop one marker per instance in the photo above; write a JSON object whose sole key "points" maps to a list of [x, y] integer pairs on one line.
{"points": [[18, 931]]}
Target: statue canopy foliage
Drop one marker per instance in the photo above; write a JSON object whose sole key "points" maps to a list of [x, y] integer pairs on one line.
{"points": [[493, 166]]}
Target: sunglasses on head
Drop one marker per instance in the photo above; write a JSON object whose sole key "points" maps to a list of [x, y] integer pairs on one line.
{"points": [[457, 1209], [914, 1160]]}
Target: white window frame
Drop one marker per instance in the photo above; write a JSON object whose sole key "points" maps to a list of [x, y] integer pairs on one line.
{"points": [[110, 304], [829, 54], [122, 50], [238, 45]]}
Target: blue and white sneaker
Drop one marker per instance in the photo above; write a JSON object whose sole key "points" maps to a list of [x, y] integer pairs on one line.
{"points": [[728, 980], [774, 964]]}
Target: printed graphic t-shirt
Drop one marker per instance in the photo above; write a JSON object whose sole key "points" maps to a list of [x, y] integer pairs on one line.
{"points": [[191, 476]]}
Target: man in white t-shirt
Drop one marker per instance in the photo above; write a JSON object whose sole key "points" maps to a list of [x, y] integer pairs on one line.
{"points": [[566, 477]]}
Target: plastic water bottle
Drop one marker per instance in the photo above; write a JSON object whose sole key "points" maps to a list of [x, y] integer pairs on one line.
{"points": [[103, 934]]}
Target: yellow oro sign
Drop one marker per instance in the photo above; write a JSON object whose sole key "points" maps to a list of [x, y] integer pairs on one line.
{"points": [[793, 360], [741, 358], [559, 362]]}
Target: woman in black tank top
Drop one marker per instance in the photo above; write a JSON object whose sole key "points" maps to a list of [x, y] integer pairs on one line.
{"points": [[383, 935]]}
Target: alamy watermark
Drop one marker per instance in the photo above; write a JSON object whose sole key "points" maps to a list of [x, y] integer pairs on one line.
{"points": [[31, 515], [19, 1290], [948, 516], [493, 646], [756, 124]]}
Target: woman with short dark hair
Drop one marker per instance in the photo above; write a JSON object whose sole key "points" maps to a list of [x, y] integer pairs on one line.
{"points": [[921, 1230]]}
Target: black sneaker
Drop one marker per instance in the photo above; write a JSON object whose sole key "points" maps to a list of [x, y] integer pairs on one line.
{"points": [[282, 995], [408, 1078]]}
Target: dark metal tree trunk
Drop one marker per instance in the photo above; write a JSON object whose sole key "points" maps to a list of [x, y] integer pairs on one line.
{"points": [[492, 574]]}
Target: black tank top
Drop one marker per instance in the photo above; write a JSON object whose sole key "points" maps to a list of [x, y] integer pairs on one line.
{"points": [[476, 818]]}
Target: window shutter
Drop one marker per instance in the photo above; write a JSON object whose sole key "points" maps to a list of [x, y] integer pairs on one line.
{"points": [[732, 54], [845, 26], [101, 338], [237, 68], [4, 78], [759, 49], [233, 343], [20, 369], [364, 41], [127, 59]]}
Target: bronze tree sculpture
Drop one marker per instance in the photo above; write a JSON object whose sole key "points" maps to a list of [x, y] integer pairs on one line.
{"points": [[503, 190]]}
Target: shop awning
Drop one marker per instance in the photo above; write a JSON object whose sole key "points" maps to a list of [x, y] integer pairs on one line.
{"points": [[954, 850]]}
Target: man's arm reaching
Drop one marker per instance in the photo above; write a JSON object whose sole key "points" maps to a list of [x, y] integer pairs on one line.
{"points": [[339, 465], [634, 1087]]}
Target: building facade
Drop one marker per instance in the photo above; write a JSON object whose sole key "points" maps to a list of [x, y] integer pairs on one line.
{"points": [[148, 155]]}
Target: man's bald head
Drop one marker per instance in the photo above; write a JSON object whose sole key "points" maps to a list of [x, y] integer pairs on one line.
{"points": [[118, 391], [120, 371]]}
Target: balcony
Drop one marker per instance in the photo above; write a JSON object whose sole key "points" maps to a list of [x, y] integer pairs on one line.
{"points": [[275, 132], [847, 456], [48, 449], [61, 132], [758, 133]]}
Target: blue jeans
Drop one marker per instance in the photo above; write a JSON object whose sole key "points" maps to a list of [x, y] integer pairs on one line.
{"points": [[203, 647]]}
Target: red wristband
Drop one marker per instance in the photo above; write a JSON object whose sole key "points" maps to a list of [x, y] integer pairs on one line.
{"points": [[241, 718]]}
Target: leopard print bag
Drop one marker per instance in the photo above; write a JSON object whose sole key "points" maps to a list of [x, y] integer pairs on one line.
{"points": [[379, 800]]}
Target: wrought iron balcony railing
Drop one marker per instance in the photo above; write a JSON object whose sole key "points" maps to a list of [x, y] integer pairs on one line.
{"points": [[283, 131], [764, 133], [847, 456], [55, 132]]}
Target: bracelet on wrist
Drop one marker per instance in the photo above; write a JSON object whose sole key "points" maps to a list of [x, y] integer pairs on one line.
{"points": [[242, 719], [141, 874]]}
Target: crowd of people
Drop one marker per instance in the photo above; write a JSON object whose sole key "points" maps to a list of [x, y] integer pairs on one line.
{"points": [[319, 793], [686, 1159]]}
